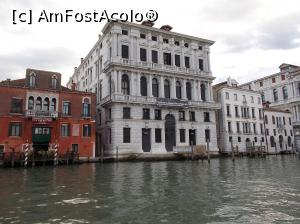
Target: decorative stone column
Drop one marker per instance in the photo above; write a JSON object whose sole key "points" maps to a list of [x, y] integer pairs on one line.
{"points": [[138, 92], [119, 82], [173, 88], [199, 91], [150, 86], [184, 89], [207, 91], [161, 87], [194, 91], [114, 79]]}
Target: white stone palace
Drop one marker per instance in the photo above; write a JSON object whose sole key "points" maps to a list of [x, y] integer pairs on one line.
{"points": [[153, 86], [240, 123], [282, 91]]}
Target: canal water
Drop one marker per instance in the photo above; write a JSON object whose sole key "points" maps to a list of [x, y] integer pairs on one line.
{"points": [[247, 191]]}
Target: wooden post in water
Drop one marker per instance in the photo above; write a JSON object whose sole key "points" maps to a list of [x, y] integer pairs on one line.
{"points": [[261, 151], [232, 151], [13, 158], [117, 154], [55, 162], [192, 151], [26, 154], [101, 153], [207, 146], [33, 162]]}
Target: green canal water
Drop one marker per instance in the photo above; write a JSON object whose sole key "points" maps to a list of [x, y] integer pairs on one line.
{"points": [[247, 191]]}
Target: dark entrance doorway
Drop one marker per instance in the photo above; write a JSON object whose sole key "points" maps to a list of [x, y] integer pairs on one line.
{"points": [[170, 132], [248, 144], [40, 138], [146, 139], [192, 137], [281, 142]]}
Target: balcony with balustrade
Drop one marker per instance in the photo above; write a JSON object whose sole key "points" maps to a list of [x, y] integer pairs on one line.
{"points": [[155, 66], [160, 102], [41, 113]]}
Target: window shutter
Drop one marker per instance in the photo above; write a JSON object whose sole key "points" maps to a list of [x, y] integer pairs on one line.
{"points": [[20, 129], [10, 129], [70, 107]]}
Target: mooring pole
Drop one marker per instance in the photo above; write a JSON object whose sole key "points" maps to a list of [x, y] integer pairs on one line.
{"points": [[101, 152], [207, 146], [33, 162], [13, 158], [117, 152], [192, 150], [26, 154], [232, 151], [55, 154]]}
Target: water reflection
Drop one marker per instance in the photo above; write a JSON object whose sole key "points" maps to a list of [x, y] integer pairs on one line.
{"points": [[247, 190]]}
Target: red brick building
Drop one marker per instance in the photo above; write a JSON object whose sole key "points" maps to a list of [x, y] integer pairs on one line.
{"points": [[38, 109]]}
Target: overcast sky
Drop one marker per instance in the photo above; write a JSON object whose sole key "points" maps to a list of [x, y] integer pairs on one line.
{"points": [[253, 37]]}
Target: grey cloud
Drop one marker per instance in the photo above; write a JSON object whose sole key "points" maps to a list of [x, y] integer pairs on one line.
{"points": [[280, 33], [276, 34], [229, 10], [54, 59]]}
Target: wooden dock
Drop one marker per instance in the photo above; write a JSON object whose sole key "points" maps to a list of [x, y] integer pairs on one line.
{"points": [[17, 159]]}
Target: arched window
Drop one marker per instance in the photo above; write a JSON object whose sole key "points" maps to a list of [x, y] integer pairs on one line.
{"points": [[178, 90], [143, 86], [167, 88], [281, 141], [272, 141], [289, 141], [273, 119], [53, 105], [125, 85], [38, 104], [154, 87], [31, 103], [54, 82], [275, 94], [32, 80], [86, 107], [202, 90], [284, 92], [46, 104], [263, 98], [266, 119], [188, 91], [298, 88]]}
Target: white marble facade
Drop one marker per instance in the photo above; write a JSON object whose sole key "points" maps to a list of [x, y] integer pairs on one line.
{"points": [[141, 67], [282, 91], [240, 120]]}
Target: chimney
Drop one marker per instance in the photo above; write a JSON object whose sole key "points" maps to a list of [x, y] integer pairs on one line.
{"points": [[99, 36], [147, 23], [81, 60], [73, 87], [75, 69], [166, 27], [266, 104]]}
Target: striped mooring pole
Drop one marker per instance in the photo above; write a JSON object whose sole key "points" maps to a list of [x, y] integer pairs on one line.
{"points": [[56, 154], [26, 154]]}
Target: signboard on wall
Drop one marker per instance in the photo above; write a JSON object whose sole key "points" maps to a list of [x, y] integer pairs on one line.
{"points": [[41, 121]]}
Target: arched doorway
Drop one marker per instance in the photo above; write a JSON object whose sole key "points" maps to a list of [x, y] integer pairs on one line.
{"points": [[281, 142], [248, 144], [170, 132]]}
